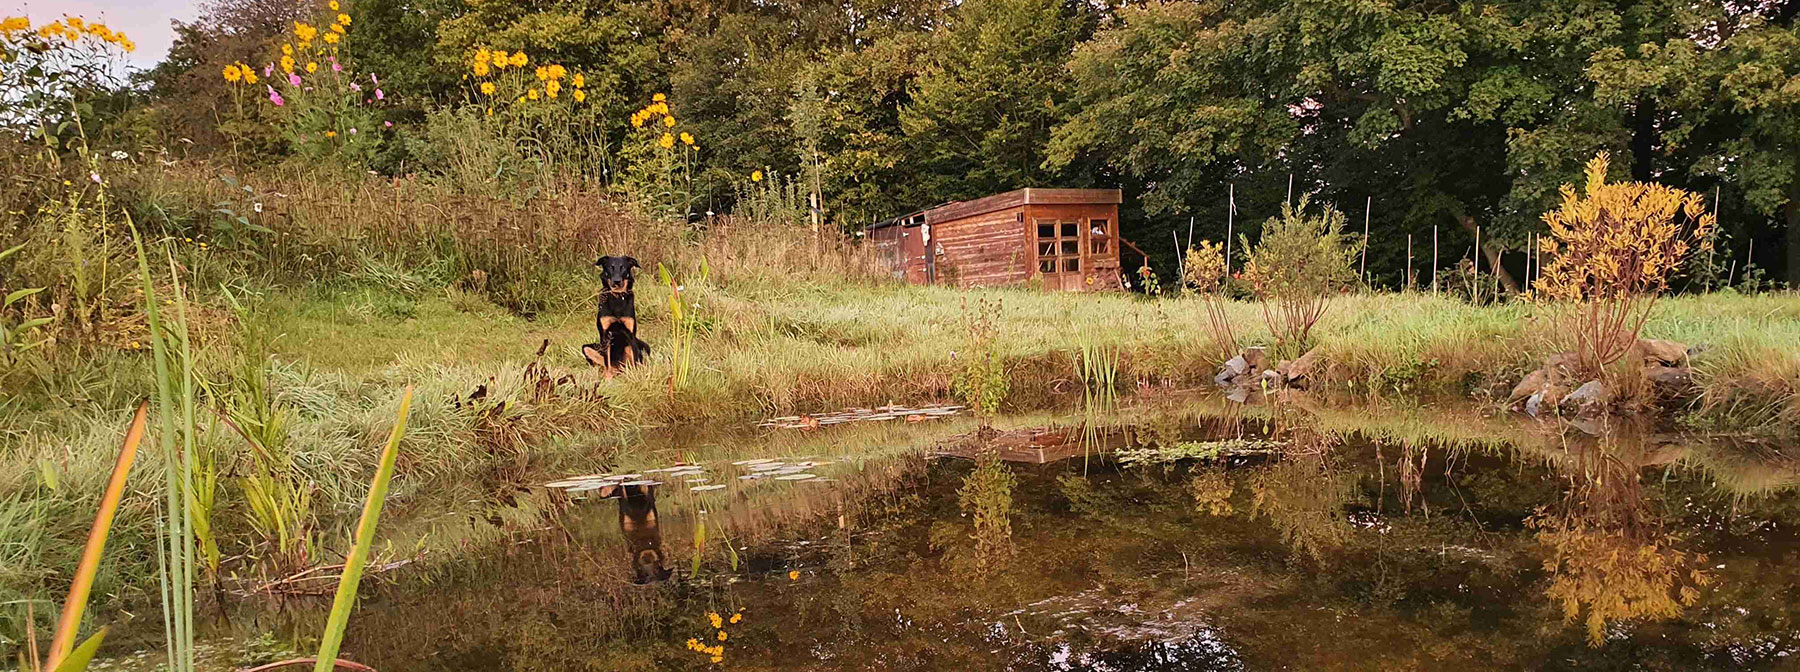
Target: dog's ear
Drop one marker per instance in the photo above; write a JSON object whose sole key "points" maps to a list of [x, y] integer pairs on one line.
{"points": [[601, 262], [631, 262]]}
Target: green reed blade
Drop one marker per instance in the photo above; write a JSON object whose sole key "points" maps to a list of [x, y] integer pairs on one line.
{"points": [[365, 538]]}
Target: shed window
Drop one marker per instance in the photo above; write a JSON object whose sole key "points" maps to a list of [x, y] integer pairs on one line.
{"points": [[1099, 236], [1058, 246]]}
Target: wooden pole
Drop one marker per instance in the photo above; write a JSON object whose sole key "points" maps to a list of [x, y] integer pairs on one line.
{"points": [[1409, 275], [1190, 244], [1434, 258], [1367, 205], [1180, 259], [1290, 198], [1731, 278], [1230, 216], [1476, 285]]}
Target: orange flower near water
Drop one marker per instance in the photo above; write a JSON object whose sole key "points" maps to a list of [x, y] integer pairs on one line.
{"points": [[793, 576]]}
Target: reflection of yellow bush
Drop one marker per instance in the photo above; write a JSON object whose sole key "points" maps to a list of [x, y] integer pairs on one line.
{"points": [[1614, 576], [1212, 490]]}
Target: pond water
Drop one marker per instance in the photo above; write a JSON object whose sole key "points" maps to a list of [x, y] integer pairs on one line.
{"points": [[1183, 535]]}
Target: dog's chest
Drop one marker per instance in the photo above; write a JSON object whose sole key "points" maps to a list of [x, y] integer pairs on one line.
{"points": [[618, 305]]}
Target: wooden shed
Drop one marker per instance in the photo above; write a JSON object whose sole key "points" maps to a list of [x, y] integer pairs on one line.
{"points": [[1067, 237]]}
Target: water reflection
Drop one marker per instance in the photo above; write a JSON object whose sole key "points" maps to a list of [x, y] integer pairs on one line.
{"points": [[1374, 538]]}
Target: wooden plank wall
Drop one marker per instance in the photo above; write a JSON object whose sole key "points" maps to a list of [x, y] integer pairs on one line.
{"points": [[983, 250]]}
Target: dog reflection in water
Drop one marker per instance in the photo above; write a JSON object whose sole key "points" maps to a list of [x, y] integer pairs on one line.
{"points": [[643, 537]]}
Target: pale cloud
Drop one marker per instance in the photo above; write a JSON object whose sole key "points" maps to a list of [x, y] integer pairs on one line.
{"points": [[146, 22]]}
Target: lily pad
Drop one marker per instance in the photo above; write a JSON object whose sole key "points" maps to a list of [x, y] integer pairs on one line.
{"points": [[706, 488], [795, 477]]}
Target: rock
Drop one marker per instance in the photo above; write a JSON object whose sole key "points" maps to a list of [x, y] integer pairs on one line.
{"points": [[1592, 395], [1666, 353], [1302, 370], [1668, 376], [1272, 377], [1257, 358], [1234, 367], [1534, 403], [1531, 387]]}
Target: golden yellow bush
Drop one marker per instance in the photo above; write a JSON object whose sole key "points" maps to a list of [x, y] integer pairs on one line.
{"points": [[1612, 250]]}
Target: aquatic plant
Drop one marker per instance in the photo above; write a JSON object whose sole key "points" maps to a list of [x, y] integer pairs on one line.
{"points": [[1612, 250], [348, 582], [986, 497], [684, 316]]}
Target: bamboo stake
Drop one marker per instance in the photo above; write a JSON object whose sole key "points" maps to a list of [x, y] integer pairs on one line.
{"points": [[1434, 258], [1190, 244], [1409, 271], [1230, 216], [1180, 259], [1476, 285], [1367, 205], [1290, 198]]}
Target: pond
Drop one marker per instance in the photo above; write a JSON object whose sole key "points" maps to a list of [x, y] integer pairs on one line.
{"points": [[1186, 534]]}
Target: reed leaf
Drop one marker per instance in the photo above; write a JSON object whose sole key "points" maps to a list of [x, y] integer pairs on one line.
{"points": [[175, 558], [63, 643], [339, 619], [78, 659]]}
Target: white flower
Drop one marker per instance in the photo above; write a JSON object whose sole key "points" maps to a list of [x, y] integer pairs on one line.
{"points": [[96, 178], [118, 155], [257, 207]]}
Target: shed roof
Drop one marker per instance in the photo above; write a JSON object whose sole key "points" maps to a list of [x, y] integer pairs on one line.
{"points": [[1018, 197]]}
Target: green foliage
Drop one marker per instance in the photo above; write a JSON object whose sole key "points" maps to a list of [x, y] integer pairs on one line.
{"points": [[1298, 264], [345, 601], [986, 497], [980, 380]]}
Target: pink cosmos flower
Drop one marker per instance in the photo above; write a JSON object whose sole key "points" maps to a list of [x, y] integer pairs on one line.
{"points": [[379, 95], [387, 124], [274, 97], [355, 87], [293, 79], [269, 70]]}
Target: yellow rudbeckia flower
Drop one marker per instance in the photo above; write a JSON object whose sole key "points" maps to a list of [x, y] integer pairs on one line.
{"points": [[659, 98], [519, 59], [580, 96], [232, 75], [532, 94], [487, 88]]}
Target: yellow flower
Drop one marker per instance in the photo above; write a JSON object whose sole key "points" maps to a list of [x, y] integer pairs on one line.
{"points": [[580, 96], [305, 32], [693, 644], [337, 29], [481, 69], [287, 64], [579, 81], [520, 101], [666, 141], [499, 59], [331, 38], [312, 67], [14, 24], [659, 98], [792, 575], [669, 121], [333, 5], [722, 636], [736, 618], [287, 49], [637, 121], [543, 73], [483, 56], [128, 45], [532, 94], [331, 134], [249, 75], [659, 108], [490, 111], [232, 75], [756, 176], [689, 140], [713, 617], [73, 21], [344, 19], [518, 59], [552, 87], [487, 88], [557, 71]]}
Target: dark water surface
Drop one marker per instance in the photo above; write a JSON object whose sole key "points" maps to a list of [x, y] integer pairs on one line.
{"points": [[1188, 536]]}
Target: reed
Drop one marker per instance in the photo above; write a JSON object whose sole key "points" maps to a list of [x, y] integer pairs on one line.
{"points": [[174, 366], [339, 620]]}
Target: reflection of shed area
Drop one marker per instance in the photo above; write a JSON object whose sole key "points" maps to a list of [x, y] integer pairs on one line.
{"points": [[1067, 237]]}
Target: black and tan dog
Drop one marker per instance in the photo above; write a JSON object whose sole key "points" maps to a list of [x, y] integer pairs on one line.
{"points": [[615, 317]]}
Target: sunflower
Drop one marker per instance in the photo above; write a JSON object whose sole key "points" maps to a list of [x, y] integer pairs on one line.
{"points": [[669, 121], [332, 38], [532, 94], [232, 74], [579, 81], [689, 140], [305, 32], [337, 29], [287, 50], [499, 59], [543, 73], [333, 5], [487, 88], [312, 67], [659, 98], [580, 96], [519, 59], [343, 19], [481, 69], [287, 63], [666, 141], [556, 71]]}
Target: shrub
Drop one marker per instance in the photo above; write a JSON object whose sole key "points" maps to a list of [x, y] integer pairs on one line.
{"points": [[1612, 252], [981, 381], [1203, 272], [1296, 267]]}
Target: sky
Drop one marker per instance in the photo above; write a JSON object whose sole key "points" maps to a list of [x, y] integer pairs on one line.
{"points": [[146, 22]]}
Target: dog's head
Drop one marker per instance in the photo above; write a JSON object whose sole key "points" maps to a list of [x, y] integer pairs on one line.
{"points": [[617, 272]]}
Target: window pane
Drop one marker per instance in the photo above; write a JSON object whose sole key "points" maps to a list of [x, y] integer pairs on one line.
{"points": [[1047, 249], [1098, 227], [1046, 230], [1099, 246], [1047, 266], [1071, 247], [1071, 265], [1071, 229]]}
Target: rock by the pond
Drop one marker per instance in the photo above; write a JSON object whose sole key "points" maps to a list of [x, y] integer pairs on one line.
{"points": [[1665, 353], [1592, 396], [1668, 376], [1300, 371], [1245, 368]]}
